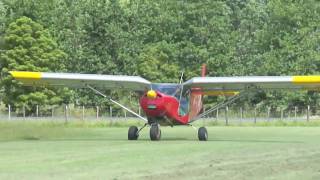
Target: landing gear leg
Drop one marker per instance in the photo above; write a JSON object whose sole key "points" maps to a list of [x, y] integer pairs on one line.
{"points": [[142, 127], [155, 132], [202, 134]]}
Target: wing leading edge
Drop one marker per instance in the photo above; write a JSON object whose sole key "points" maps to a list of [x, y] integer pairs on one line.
{"points": [[77, 80], [205, 85], [240, 83]]}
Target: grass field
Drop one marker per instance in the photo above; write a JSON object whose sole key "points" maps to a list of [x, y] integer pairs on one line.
{"points": [[56, 151]]}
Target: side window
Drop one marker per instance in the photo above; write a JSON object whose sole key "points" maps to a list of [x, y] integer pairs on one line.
{"points": [[184, 104]]}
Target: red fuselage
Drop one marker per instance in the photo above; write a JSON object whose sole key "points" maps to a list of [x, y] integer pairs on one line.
{"points": [[163, 109]]}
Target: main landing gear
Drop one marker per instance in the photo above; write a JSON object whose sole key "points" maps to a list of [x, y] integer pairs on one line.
{"points": [[133, 133], [202, 134], [155, 132]]}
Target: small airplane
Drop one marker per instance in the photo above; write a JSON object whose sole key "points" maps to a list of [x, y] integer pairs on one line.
{"points": [[169, 104]]}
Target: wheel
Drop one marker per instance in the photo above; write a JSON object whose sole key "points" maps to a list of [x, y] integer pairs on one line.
{"points": [[155, 132], [202, 134], [133, 133]]}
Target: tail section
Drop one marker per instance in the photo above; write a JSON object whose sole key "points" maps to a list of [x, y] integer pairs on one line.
{"points": [[196, 98]]}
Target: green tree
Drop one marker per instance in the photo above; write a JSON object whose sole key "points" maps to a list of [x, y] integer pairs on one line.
{"points": [[29, 47], [157, 39], [156, 63]]}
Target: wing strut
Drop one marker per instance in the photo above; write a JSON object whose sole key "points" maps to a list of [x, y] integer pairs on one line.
{"points": [[217, 106], [117, 103]]}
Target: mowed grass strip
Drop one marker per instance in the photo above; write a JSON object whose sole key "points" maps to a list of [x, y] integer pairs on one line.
{"points": [[58, 151]]}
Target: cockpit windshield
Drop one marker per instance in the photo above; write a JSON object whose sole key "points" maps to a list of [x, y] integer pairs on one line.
{"points": [[168, 89]]}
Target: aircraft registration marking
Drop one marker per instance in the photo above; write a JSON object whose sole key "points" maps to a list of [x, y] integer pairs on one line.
{"points": [[152, 106]]}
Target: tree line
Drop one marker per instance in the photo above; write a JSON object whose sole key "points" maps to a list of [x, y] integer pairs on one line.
{"points": [[158, 39]]}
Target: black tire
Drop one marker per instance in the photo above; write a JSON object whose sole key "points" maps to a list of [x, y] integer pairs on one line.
{"points": [[133, 133], [155, 132], [202, 134]]}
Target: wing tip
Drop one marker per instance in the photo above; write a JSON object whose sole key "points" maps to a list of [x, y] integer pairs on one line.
{"points": [[25, 75], [312, 79]]}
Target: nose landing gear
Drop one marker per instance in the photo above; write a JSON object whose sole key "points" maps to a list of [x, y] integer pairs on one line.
{"points": [[155, 132]]}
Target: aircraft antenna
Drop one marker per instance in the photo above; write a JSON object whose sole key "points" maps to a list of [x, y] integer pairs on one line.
{"points": [[181, 77]]}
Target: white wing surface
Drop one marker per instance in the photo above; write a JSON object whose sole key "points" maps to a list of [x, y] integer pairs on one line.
{"points": [[234, 84], [76, 80]]}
